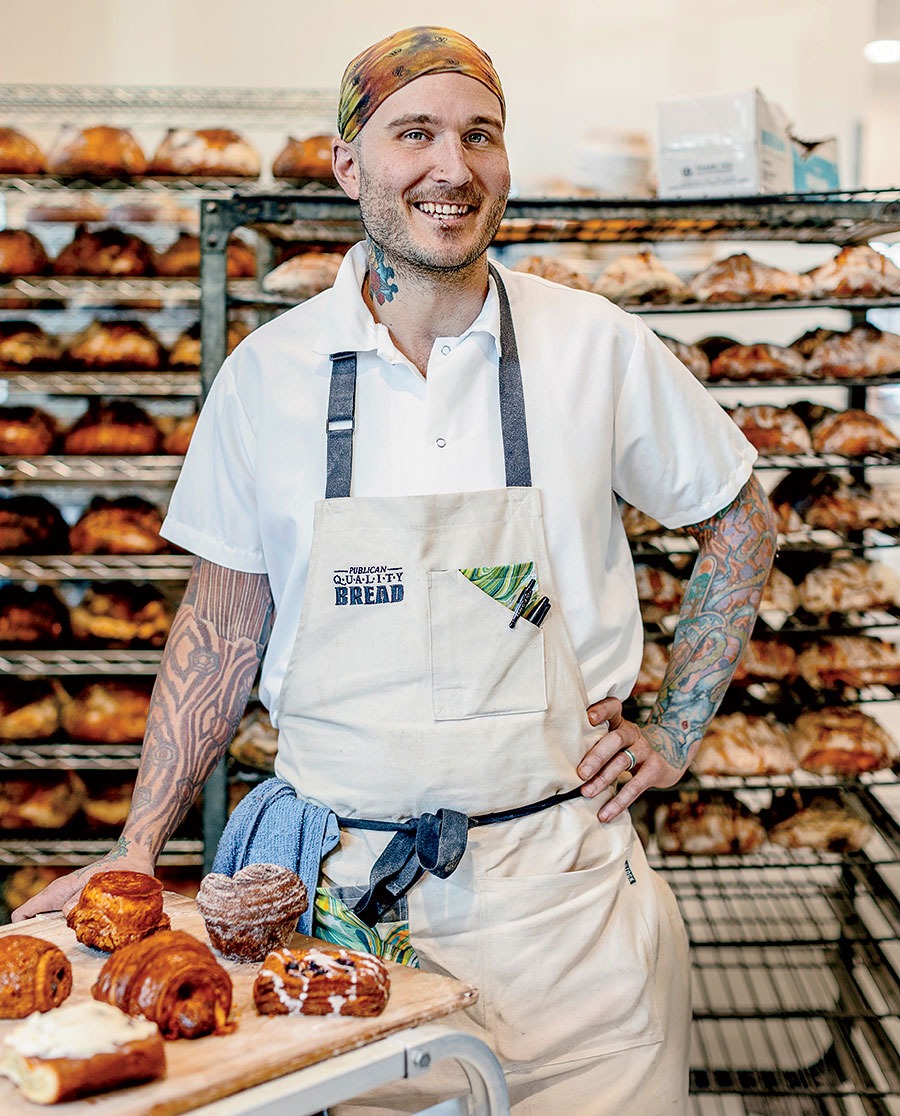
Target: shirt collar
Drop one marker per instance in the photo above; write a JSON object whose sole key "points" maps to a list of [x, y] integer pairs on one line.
{"points": [[348, 326]]}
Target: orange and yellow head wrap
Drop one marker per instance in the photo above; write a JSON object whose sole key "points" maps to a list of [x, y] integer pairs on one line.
{"points": [[388, 65]]}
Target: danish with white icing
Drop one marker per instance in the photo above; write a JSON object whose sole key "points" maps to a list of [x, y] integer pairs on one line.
{"points": [[322, 981]]}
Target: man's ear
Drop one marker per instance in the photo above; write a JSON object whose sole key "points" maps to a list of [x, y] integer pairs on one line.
{"points": [[345, 162]]}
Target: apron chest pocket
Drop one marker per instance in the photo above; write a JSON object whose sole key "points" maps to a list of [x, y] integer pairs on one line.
{"points": [[479, 665]]}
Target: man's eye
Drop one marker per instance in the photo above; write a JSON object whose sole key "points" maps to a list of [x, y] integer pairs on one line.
{"points": [[478, 137], [415, 134]]}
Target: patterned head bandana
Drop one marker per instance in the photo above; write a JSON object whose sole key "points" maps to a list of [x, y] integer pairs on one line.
{"points": [[387, 66]]}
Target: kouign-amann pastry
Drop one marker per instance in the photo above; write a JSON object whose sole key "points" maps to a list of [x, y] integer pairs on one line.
{"points": [[24, 346], [21, 253], [35, 975], [822, 823], [839, 740], [205, 153], [303, 276], [744, 744], [19, 154], [253, 912], [772, 429], [553, 270], [114, 426], [78, 1050], [122, 615], [741, 279], [171, 979], [183, 258], [108, 712], [854, 585], [850, 661], [32, 525], [856, 272], [714, 826], [31, 617], [127, 525], [641, 277], [757, 362], [853, 433], [328, 980], [43, 800], [100, 151], [26, 431], [308, 158], [105, 253], [863, 351], [691, 356], [118, 907]]}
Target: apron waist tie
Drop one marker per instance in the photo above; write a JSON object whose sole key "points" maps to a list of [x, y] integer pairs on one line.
{"points": [[432, 843]]}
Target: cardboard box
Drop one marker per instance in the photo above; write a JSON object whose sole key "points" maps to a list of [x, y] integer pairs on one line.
{"points": [[815, 165], [723, 145]]}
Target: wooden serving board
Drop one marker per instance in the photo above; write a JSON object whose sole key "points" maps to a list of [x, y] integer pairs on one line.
{"points": [[261, 1048]]}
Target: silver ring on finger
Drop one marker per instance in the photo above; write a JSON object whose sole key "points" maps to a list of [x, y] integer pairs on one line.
{"points": [[632, 759]]}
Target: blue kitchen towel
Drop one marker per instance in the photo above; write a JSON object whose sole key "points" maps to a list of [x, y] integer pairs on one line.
{"points": [[272, 825]]}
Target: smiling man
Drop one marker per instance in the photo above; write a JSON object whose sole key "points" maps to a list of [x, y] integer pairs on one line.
{"points": [[404, 491]]}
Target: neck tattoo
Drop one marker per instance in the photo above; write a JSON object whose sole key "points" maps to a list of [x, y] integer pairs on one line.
{"points": [[381, 286]]}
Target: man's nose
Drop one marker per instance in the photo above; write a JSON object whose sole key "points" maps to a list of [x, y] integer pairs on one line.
{"points": [[450, 163]]}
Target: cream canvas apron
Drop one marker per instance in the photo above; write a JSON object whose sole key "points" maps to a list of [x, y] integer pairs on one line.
{"points": [[409, 692]]}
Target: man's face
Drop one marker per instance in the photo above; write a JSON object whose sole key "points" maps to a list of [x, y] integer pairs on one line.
{"points": [[432, 172]]}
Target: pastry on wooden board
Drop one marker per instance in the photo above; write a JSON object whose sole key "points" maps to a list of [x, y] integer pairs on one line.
{"points": [[35, 975], [117, 907], [326, 980]]}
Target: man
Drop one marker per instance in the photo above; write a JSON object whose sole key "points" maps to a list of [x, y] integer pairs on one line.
{"points": [[450, 628]]}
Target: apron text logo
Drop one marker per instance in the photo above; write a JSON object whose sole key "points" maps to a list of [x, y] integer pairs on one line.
{"points": [[366, 585]]}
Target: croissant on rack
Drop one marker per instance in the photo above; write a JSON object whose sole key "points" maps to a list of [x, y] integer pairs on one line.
{"points": [[303, 276], [26, 431], [116, 908], [35, 975], [173, 980]]}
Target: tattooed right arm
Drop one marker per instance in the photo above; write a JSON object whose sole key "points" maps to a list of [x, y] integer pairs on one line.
{"points": [[210, 661]]}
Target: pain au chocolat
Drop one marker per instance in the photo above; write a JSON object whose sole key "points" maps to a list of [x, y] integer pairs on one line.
{"points": [[35, 975]]}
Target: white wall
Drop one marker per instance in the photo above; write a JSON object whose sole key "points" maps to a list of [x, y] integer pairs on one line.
{"points": [[566, 67]]}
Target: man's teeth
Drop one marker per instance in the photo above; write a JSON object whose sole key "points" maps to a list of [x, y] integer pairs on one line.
{"points": [[442, 209]]}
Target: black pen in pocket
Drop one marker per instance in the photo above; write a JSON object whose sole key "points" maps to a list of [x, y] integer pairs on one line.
{"points": [[522, 601], [539, 612]]}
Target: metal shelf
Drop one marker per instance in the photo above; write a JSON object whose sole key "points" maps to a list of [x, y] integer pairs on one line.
{"points": [[48, 756], [91, 470], [74, 853], [85, 290], [814, 539], [46, 664], [87, 567], [164, 384]]}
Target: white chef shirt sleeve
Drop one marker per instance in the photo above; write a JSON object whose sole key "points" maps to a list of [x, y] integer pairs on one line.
{"points": [[213, 510], [677, 455]]}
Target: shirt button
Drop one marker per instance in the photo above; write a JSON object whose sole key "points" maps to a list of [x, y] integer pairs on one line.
{"points": [[440, 442], [445, 349]]}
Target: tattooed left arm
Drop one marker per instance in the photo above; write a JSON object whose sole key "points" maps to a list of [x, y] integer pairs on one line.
{"points": [[717, 616]]}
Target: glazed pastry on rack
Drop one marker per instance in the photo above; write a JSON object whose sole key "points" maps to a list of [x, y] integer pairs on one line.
{"points": [[772, 429], [185, 353], [25, 347], [306, 159], [31, 525], [853, 433], [29, 710], [117, 907], [327, 980], [42, 800], [173, 980], [123, 346], [742, 279], [35, 975], [122, 614], [78, 1050], [659, 592], [744, 744], [26, 432], [554, 270], [691, 356], [853, 585], [108, 712], [21, 253], [125, 525], [856, 272], [100, 151], [253, 912], [766, 660], [757, 362], [205, 153], [304, 275], [863, 351], [255, 743], [708, 826], [821, 823], [31, 617], [19, 154], [641, 277], [183, 258], [654, 662], [857, 660], [108, 253], [113, 426], [839, 740]]}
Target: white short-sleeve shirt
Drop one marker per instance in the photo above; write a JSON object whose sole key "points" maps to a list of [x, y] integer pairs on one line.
{"points": [[609, 410]]}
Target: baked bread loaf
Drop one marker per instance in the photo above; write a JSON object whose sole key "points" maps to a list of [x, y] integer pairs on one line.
{"points": [[124, 346], [100, 151], [31, 525], [304, 160], [107, 802], [21, 253], [253, 912], [654, 662], [552, 269], [327, 980], [117, 907], [26, 432], [19, 154], [185, 353], [255, 743], [780, 594], [205, 153], [28, 881], [122, 614], [178, 437], [766, 660], [114, 426], [744, 744], [183, 258], [303, 276], [850, 661], [659, 592], [638, 524], [757, 362], [807, 343], [853, 585], [741, 279], [34, 976], [171, 979], [105, 253], [24, 346], [126, 525], [641, 277], [713, 826], [31, 617], [691, 356], [853, 433], [863, 351], [107, 713], [856, 272], [839, 740], [853, 507], [72, 212], [821, 823], [29, 710], [40, 801], [78, 1050], [772, 429]]}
